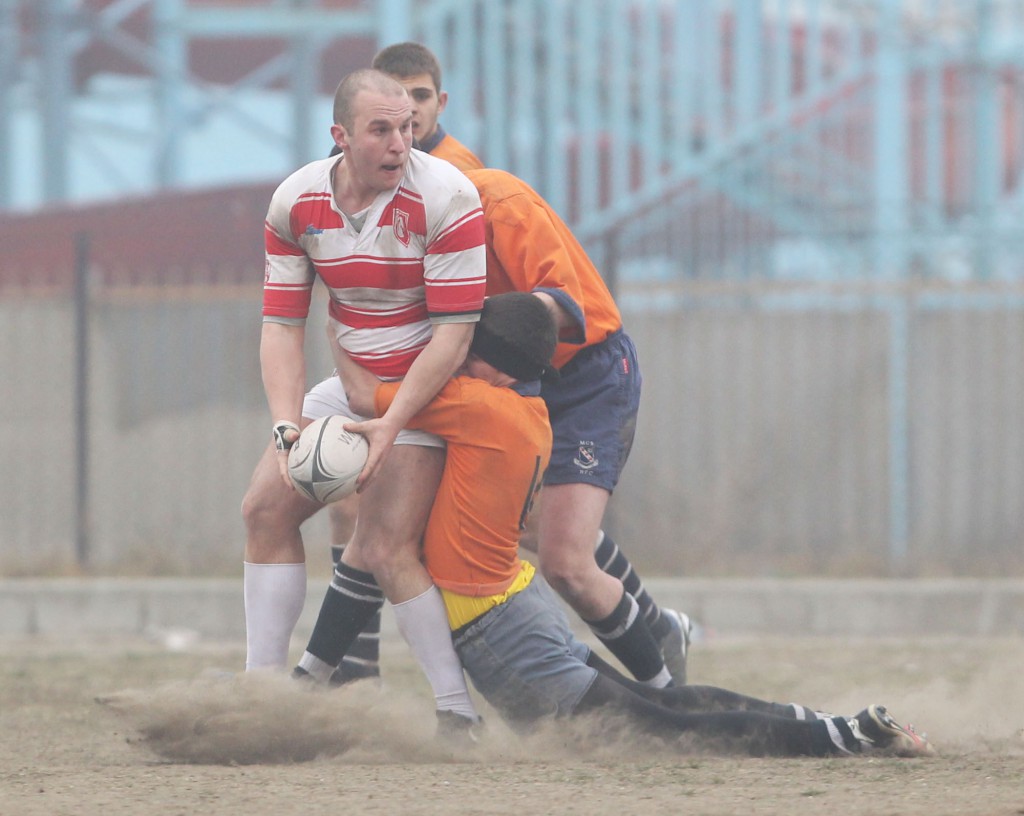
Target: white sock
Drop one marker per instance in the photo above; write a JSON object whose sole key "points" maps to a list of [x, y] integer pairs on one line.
{"points": [[423, 624], [274, 597]]}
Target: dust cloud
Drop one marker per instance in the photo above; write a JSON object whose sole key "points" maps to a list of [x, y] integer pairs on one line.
{"points": [[967, 702], [266, 718]]}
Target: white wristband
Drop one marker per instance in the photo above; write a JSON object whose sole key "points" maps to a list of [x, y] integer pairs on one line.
{"points": [[280, 441]]}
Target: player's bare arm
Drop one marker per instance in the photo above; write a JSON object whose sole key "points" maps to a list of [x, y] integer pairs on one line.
{"points": [[435, 365], [283, 366]]}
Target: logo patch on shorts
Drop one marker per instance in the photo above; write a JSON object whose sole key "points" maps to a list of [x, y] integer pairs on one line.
{"points": [[586, 456]]}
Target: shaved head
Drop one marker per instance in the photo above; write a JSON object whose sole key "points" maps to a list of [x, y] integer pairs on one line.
{"points": [[366, 79]]}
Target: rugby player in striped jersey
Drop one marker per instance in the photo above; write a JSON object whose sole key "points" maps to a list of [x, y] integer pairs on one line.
{"points": [[396, 236]]}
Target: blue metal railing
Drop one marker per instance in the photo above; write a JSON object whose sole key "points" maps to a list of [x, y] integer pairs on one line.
{"points": [[610, 107]]}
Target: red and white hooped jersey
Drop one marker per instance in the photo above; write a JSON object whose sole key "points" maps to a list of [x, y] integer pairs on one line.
{"points": [[418, 259]]}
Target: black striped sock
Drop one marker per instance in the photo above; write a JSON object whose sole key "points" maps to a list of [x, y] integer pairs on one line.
{"points": [[841, 735], [799, 712], [352, 599], [614, 562], [363, 657], [626, 635], [362, 661]]}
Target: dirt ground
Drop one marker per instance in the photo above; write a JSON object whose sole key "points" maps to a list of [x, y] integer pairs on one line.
{"points": [[181, 733]]}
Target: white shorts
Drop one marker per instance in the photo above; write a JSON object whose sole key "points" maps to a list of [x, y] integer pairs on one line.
{"points": [[328, 398]]}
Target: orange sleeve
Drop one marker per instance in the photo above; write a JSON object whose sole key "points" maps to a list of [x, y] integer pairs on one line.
{"points": [[447, 415], [527, 244], [529, 248], [454, 152]]}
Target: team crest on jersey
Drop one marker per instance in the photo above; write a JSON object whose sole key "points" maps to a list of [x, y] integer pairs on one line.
{"points": [[586, 456], [402, 226]]}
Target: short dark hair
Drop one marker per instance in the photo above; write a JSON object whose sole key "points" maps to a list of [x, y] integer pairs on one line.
{"points": [[408, 59], [517, 335], [365, 79]]}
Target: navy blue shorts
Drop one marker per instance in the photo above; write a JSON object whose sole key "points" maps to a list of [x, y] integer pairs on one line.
{"points": [[593, 410]]}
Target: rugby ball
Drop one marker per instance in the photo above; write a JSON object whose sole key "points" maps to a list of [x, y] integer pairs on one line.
{"points": [[326, 460]]}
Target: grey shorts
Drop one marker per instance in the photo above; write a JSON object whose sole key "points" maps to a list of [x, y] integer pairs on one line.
{"points": [[523, 658]]}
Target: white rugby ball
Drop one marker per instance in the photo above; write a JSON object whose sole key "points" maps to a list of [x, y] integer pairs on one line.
{"points": [[326, 460]]}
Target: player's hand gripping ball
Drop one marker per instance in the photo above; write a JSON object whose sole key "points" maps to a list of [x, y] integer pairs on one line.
{"points": [[326, 460]]}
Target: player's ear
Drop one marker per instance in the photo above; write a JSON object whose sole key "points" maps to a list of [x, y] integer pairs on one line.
{"points": [[340, 136], [442, 100]]}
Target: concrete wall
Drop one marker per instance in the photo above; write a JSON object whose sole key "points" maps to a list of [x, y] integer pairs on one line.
{"points": [[763, 446], [765, 443]]}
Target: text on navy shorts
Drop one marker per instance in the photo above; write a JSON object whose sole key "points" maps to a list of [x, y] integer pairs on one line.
{"points": [[593, 409]]}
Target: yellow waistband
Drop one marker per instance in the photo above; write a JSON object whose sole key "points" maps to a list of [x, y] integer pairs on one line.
{"points": [[464, 608]]}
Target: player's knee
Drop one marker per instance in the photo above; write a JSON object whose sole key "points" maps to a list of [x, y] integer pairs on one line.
{"points": [[566, 574], [271, 510], [383, 556], [254, 507], [259, 507]]}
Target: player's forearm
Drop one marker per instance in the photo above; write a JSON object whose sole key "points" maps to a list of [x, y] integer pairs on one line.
{"points": [[435, 365], [283, 366]]}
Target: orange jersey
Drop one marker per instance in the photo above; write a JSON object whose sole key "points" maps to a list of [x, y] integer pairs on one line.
{"points": [[529, 248], [499, 443], [455, 152]]}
